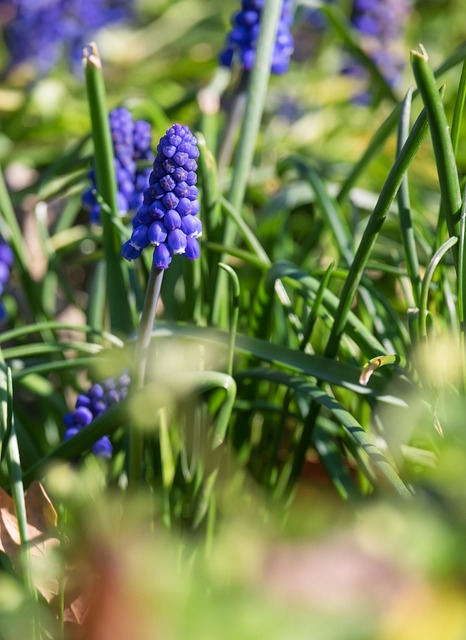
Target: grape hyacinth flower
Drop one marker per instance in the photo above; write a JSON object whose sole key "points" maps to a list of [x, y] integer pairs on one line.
{"points": [[131, 143], [242, 39], [6, 264], [92, 404], [38, 32], [380, 25], [168, 218]]}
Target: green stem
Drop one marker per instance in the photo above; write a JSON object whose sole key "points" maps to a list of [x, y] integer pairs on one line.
{"points": [[458, 111], [9, 440], [234, 314], [141, 354], [426, 282], [404, 206], [462, 291], [443, 148], [371, 232], [116, 274], [256, 97], [373, 228], [382, 133], [235, 118]]}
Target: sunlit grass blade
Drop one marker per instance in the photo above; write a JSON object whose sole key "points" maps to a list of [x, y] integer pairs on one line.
{"points": [[352, 427], [234, 313], [404, 205], [376, 363], [441, 140], [332, 371], [10, 448], [458, 110], [426, 282], [62, 366], [116, 273], [461, 293], [329, 207], [373, 228], [14, 334], [308, 286], [256, 97]]}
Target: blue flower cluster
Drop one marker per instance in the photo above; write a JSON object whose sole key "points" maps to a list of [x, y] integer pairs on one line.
{"points": [[168, 218], [242, 39], [92, 404], [131, 144], [6, 263], [40, 31], [380, 24]]}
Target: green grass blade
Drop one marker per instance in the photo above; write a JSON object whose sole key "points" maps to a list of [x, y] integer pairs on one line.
{"points": [[14, 334], [117, 277], [9, 441], [329, 207], [443, 148], [256, 97], [372, 230], [404, 205], [309, 286], [335, 372], [458, 110], [352, 427], [426, 282], [234, 313]]}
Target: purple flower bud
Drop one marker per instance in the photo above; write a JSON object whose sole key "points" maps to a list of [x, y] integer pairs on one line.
{"points": [[156, 211], [176, 241], [157, 232], [172, 220], [193, 250], [70, 432], [103, 448], [191, 226], [184, 207], [129, 252], [139, 237], [83, 416], [162, 257]]}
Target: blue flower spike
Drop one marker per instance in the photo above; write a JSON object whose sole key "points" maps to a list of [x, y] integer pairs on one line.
{"points": [[131, 144], [241, 42], [92, 404], [167, 218]]}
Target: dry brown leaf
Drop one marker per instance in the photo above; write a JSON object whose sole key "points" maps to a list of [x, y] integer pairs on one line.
{"points": [[41, 530], [43, 538]]}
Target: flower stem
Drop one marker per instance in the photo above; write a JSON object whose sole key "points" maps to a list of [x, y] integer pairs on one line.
{"points": [[141, 353]]}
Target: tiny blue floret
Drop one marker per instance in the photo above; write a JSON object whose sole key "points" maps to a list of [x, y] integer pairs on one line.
{"points": [[92, 404]]}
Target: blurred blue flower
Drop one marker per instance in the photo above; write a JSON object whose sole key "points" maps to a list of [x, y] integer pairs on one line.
{"points": [[92, 404], [40, 31], [168, 218], [6, 264], [241, 41], [131, 144], [380, 24]]}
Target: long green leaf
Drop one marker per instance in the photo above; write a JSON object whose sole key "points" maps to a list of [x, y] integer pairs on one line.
{"points": [[117, 276]]}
